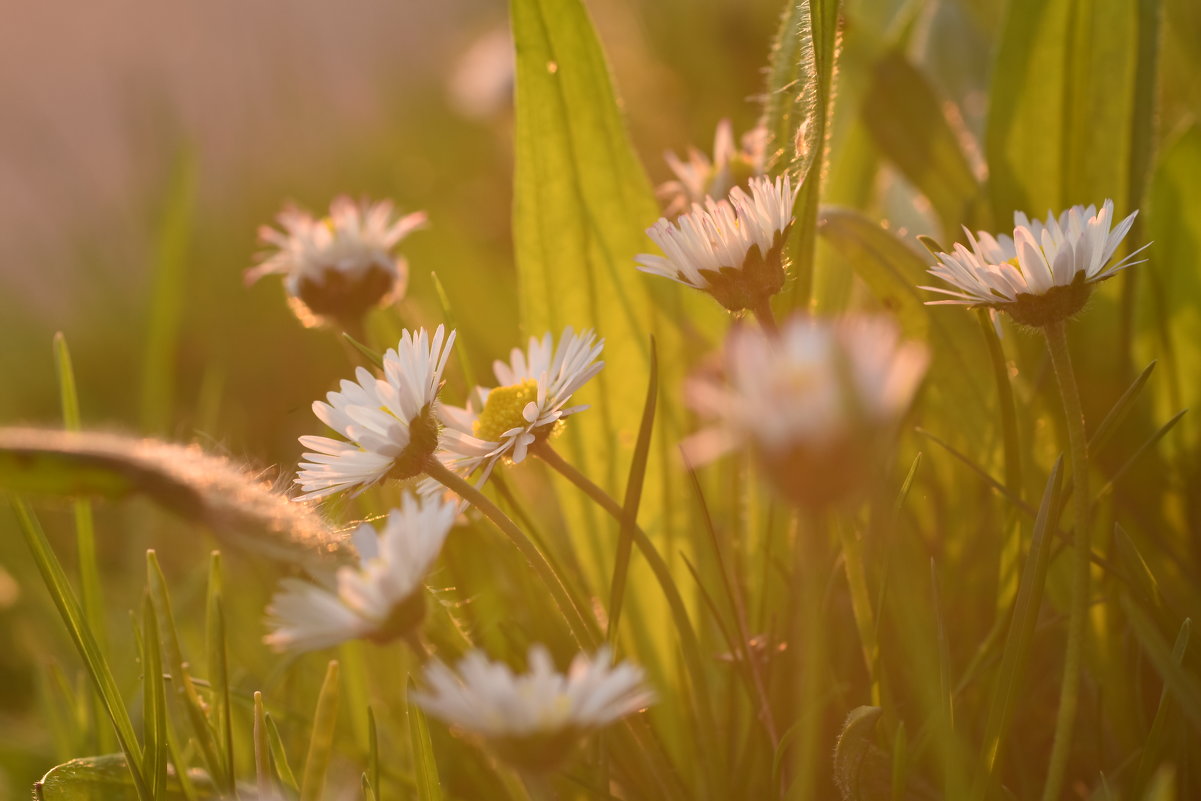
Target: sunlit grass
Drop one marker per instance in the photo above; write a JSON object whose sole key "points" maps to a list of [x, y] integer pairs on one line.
{"points": [[983, 592]]}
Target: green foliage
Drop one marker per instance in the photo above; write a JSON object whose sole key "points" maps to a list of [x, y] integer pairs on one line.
{"points": [[909, 639]]}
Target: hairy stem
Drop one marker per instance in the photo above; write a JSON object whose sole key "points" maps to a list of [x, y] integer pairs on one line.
{"points": [[585, 634], [1069, 694]]}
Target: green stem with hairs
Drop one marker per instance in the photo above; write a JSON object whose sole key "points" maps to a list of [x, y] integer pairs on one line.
{"points": [[1069, 694], [765, 316], [585, 634]]}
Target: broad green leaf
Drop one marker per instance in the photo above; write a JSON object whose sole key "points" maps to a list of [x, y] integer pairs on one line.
{"points": [[581, 205], [911, 126], [1059, 126], [106, 778]]}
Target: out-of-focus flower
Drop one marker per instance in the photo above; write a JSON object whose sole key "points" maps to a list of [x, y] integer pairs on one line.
{"points": [[532, 720], [481, 83], [381, 599], [390, 423], [1044, 273], [338, 267], [535, 386], [814, 403], [699, 178], [730, 248]]}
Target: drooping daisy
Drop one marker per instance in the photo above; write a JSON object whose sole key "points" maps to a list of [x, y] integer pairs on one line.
{"points": [[338, 267], [812, 402], [390, 423], [729, 248], [699, 178], [1044, 273], [533, 719], [380, 599], [531, 398]]}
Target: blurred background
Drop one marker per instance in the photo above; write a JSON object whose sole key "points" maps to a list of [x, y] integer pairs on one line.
{"points": [[142, 144]]}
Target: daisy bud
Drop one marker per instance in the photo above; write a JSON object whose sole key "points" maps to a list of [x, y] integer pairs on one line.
{"points": [[338, 268]]}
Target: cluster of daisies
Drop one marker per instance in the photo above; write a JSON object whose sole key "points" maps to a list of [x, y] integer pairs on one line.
{"points": [[814, 399]]}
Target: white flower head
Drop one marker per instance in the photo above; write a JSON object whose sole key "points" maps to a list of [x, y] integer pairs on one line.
{"points": [[380, 599], [812, 402], [698, 177], [340, 266], [730, 248], [1044, 273], [390, 423], [533, 719], [534, 388]]}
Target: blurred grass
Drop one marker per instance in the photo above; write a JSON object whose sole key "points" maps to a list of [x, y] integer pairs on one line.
{"points": [[1111, 113]]}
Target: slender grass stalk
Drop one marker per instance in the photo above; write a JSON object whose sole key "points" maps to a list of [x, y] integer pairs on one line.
{"points": [[582, 628], [861, 606], [1069, 694], [321, 741], [262, 749]]}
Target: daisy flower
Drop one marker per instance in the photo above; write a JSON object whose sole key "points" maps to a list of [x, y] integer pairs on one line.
{"points": [[1041, 275], [380, 599], [812, 402], [533, 719], [535, 386], [699, 178], [390, 423], [338, 267], [729, 248]]}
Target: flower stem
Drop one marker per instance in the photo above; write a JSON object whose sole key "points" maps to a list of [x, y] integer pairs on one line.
{"points": [[659, 567], [765, 316], [1061, 361], [585, 634]]}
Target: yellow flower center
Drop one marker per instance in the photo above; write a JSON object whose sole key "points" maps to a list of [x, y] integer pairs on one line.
{"points": [[502, 410]]}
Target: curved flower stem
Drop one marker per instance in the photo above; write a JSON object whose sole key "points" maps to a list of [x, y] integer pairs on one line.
{"points": [[1061, 361], [585, 634]]}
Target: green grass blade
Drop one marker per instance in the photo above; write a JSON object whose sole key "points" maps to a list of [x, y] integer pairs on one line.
{"points": [[1119, 411], [155, 748], [85, 642], [1155, 745], [321, 740], [373, 774], [425, 767], [181, 678], [167, 297], [1184, 686], [262, 748], [218, 666], [279, 755], [629, 516], [1026, 606]]}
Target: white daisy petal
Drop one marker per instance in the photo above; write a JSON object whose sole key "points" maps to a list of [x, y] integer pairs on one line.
{"points": [[375, 416], [1043, 255]]}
